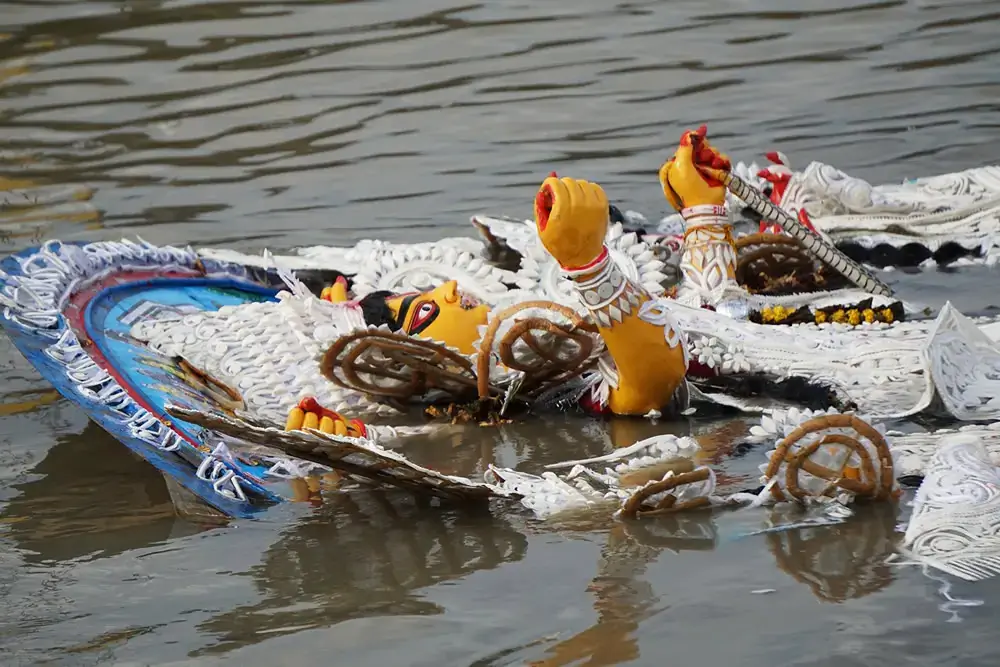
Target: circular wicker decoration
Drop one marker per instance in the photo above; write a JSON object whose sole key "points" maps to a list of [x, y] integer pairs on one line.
{"points": [[867, 481], [773, 263], [395, 365], [548, 353], [636, 505]]}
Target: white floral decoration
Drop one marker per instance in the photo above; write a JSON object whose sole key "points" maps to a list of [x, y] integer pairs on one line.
{"points": [[707, 351]]}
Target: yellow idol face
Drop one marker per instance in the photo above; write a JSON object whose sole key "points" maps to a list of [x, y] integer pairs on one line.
{"points": [[444, 315]]}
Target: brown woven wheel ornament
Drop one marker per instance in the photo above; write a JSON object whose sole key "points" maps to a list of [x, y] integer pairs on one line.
{"points": [[636, 505], [548, 353], [867, 481], [395, 365], [765, 261]]}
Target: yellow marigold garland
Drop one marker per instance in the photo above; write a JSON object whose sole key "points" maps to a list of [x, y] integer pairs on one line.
{"points": [[853, 315]]}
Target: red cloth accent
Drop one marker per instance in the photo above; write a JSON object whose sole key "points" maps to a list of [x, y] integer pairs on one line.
{"points": [[592, 406], [804, 219], [700, 370]]}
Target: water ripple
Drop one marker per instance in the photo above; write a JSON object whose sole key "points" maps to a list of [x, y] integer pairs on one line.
{"points": [[250, 124], [293, 104]]}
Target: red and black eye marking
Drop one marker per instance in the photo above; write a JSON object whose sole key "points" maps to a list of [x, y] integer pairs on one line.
{"points": [[425, 315]]}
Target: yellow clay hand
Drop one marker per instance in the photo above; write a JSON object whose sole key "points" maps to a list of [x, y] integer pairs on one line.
{"points": [[683, 184], [310, 414], [572, 220], [337, 292]]}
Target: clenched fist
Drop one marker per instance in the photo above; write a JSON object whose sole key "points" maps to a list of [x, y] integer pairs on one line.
{"points": [[684, 185], [572, 220]]}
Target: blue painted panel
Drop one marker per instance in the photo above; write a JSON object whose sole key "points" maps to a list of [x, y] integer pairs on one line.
{"points": [[108, 318], [157, 379]]}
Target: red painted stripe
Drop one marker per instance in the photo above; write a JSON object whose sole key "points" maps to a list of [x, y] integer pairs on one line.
{"points": [[77, 307]]}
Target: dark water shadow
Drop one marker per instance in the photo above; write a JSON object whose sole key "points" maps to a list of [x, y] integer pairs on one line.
{"points": [[90, 498]]}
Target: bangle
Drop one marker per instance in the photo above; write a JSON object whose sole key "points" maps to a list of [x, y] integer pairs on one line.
{"points": [[589, 267], [705, 210], [604, 290]]}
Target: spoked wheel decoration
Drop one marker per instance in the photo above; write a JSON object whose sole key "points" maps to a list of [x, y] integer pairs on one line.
{"points": [[816, 556], [639, 504], [547, 352], [778, 264], [397, 366], [830, 454], [811, 242]]}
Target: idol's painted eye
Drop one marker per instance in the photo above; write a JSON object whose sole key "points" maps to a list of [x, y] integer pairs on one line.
{"points": [[426, 313]]}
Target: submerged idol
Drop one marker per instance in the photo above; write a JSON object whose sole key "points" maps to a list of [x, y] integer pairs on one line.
{"points": [[586, 319], [622, 345]]}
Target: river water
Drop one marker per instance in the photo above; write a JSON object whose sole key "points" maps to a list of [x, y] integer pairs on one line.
{"points": [[259, 124]]}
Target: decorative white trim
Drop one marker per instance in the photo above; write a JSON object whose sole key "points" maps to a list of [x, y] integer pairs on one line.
{"points": [[704, 210], [34, 300], [606, 292], [961, 207], [708, 262]]}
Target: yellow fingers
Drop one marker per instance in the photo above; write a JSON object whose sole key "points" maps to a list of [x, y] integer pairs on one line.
{"points": [[338, 291], [572, 219], [578, 193], [597, 198], [335, 293], [295, 418], [668, 191], [685, 150], [309, 414], [549, 201], [568, 196], [333, 426], [311, 420]]}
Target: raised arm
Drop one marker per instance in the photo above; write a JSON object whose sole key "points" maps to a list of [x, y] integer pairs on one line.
{"points": [[572, 221], [708, 260]]}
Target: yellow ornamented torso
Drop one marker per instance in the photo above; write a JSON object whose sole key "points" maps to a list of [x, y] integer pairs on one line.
{"points": [[649, 360]]}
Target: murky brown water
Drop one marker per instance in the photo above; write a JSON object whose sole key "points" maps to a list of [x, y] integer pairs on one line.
{"points": [[252, 124]]}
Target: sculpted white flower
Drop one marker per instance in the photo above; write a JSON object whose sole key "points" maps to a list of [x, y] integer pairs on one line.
{"points": [[734, 361], [707, 351]]}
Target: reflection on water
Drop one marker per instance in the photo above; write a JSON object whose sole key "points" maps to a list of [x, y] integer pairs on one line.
{"points": [[621, 598], [252, 124], [838, 563], [841, 562], [92, 500], [365, 554], [30, 215]]}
